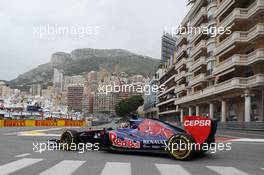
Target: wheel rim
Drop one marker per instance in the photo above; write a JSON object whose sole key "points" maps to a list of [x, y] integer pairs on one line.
{"points": [[66, 139], [181, 147]]}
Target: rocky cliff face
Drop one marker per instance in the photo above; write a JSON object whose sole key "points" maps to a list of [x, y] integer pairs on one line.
{"points": [[81, 61], [60, 58]]}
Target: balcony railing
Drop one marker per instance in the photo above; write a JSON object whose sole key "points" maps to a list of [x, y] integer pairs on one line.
{"points": [[201, 13], [163, 102], [212, 5], [167, 112], [166, 91], [202, 44], [223, 6], [180, 51], [169, 79], [179, 88], [234, 83], [242, 13], [239, 60], [239, 36], [197, 79], [201, 61], [180, 63], [198, 34], [180, 39], [180, 75]]}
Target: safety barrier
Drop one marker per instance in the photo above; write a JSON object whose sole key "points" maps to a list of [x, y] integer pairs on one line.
{"points": [[21, 123]]}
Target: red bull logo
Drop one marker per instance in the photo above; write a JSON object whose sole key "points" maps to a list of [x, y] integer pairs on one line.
{"points": [[126, 143]]}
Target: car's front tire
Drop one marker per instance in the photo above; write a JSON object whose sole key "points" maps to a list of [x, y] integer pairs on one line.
{"points": [[68, 137], [181, 146]]}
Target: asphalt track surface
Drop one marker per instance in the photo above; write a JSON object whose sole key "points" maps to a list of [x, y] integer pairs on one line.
{"points": [[17, 157]]}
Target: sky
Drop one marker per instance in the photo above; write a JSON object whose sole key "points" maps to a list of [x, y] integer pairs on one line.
{"points": [[31, 30]]}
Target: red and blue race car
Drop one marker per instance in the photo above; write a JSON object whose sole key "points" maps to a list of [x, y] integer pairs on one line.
{"points": [[150, 135]]}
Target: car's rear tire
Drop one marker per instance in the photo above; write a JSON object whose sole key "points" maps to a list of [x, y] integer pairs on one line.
{"points": [[181, 146], [68, 138]]}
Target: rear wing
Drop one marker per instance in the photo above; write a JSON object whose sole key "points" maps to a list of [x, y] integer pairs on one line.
{"points": [[202, 129]]}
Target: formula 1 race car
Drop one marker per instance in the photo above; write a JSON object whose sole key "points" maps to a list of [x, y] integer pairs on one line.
{"points": [[150, 135]]}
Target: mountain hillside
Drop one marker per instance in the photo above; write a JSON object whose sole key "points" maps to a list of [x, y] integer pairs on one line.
{"points": [[82, 61]]}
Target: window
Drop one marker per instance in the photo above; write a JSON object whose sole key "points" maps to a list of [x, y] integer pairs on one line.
{"points": [[210, 67]]}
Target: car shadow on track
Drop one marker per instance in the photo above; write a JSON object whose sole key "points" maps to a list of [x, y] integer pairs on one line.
{"points": [[197, 157]]}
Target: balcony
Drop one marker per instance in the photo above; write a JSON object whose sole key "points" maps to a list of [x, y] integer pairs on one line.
{"points": [[179, 88], [223, 6], [166, 91], [239, 60], [239, 36], [242, 13], [196, 35], [211, 41], [180, 76], [202, 13], [182, 62], [199, 78], [181, 51], [181, 39], [212, 5], [198, 63], [169, 79], [234, 83], [167, 112], [165, 101], [194, 8], [198, 48]]}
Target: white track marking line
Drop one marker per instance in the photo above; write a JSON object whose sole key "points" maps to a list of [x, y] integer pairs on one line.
{"points": [[39, 135], [168, 169], [114, 168], [226, 170], [17, 165], [23, 155], [65, 167], [27, 133], [247, 140], [54, 129]]}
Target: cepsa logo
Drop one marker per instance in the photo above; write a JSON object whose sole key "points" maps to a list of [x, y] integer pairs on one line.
{"points": [[199, 127], [126, 143], [197, 123]]}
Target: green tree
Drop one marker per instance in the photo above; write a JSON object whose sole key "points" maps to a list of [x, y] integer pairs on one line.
{"points": [[126, 106]]}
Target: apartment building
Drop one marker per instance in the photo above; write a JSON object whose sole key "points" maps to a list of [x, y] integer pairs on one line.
{"points": [[165, 103], [36, 89], [167, 46], [221, 76], [105, 103], [75, 98], [5, 90], [150, 100]]}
